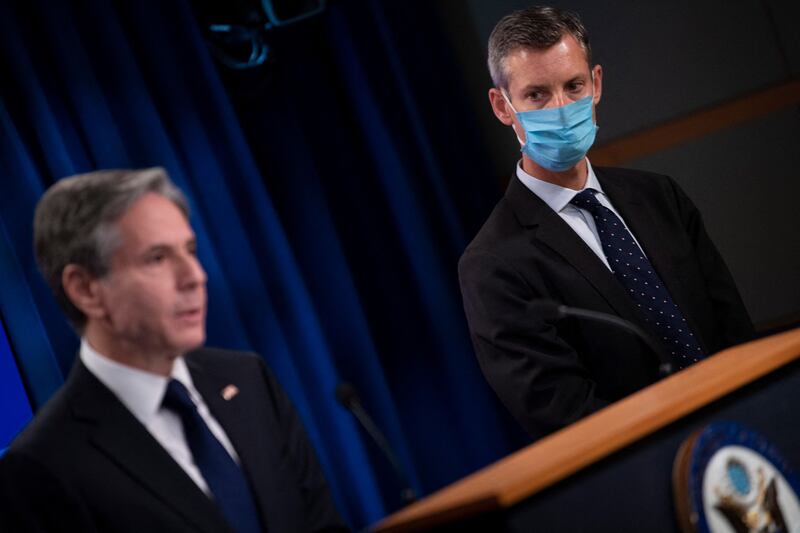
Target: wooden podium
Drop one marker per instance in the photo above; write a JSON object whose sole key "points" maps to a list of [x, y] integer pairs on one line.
{"points": [[612, 471]]}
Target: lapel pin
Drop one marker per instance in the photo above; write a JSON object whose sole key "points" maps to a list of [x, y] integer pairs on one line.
{"points": [[229, 392]]}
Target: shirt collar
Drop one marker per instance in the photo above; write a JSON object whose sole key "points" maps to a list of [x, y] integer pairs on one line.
{"points": [[140, 391], [556, 196]]}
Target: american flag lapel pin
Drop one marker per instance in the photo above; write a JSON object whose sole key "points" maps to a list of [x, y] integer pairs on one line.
{"points": [[229, 392]]}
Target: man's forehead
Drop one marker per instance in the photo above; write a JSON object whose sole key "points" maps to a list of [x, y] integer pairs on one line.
{"points": [[151, 205], [152, 219], [564, 60]]}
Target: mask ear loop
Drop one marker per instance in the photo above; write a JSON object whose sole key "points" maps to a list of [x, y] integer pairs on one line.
{"points": [[591, 72], [508, 101]]}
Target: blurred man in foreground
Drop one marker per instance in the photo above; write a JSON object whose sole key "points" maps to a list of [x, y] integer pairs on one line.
{"points": [[151, 432]]}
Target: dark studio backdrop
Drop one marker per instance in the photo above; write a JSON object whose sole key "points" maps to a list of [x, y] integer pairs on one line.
{"points": [[333, 190], [334, 187], [681, 60]]}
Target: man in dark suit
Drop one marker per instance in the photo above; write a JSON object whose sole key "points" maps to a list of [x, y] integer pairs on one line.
{"points": [[618, 241], [151, 432]]}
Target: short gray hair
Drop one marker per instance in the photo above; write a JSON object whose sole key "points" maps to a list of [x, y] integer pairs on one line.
{"points": [[538, 27], [74, 223]]}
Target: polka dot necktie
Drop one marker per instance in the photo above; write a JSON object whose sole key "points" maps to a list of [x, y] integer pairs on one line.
{"points": [[631, 268]]}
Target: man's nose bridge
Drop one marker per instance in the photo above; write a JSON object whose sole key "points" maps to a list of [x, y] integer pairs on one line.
{"points": [[559, 99], [189, 270]]}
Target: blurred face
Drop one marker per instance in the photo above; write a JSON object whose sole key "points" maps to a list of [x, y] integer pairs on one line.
{"points": [[153, 299]]}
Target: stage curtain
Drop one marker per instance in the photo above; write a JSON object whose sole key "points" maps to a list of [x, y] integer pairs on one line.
{"points": [[332, 191]]}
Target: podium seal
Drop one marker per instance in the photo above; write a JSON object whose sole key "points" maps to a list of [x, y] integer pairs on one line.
{"points": [[729, 479]]}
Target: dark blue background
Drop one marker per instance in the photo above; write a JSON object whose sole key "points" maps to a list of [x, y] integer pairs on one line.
{"points": [[333, 190], [13, 398]]}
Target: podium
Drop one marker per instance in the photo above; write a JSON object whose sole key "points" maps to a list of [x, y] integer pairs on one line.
{"points": [[612, 471]]}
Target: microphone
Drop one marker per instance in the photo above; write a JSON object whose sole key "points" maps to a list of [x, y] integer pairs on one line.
{"points": [[347, 396], [550, 310]]}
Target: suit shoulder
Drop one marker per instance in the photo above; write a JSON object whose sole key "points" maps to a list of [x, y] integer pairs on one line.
{"points": [[649, 187], [634, 177], [233, 365], [220, 358], [500, 226], [52, 424]]}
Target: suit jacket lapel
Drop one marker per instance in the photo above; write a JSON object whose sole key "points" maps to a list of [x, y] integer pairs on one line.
{"points": [[120, 436], [652, 238], [550, 229], [254, 452]]}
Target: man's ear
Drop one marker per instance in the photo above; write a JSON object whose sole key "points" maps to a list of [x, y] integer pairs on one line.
{"points": [[501, 109], [597, 80], [83, 290]]}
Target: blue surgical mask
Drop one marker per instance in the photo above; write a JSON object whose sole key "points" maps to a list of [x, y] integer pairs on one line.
{"points": [[557, 138]]}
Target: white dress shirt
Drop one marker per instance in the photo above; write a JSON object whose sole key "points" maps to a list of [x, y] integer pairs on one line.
{"points": [[142, 393], [580, 220]]}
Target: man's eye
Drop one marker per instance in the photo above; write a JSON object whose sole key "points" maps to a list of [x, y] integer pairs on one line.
{"points": [[574, 87], [156, 258]]}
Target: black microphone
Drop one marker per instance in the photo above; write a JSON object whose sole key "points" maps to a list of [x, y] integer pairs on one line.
{"points": [[347, 396], [550, 310]]}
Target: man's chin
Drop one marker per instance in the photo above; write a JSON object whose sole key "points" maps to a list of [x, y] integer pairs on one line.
{"points": [[190, 342]]}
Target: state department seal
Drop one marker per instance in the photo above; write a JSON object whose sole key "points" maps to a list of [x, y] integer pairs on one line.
{"points": [[729, 479]]}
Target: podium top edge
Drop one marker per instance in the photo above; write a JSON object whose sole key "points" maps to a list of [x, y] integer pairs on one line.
{"points": [[561, 454]]}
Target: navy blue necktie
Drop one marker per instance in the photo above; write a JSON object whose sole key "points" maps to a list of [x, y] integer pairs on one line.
{"points": [[225, 479], [632, 268]]}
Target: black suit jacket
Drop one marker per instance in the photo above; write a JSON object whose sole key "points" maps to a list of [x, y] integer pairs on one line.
{"points": [[551, 374], [86, 464]]}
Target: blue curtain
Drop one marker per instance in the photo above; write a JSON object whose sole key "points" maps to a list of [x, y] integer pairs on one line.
{"points": [[332, 190]]}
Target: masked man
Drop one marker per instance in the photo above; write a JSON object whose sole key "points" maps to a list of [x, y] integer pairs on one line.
{"points": [[618, 241]]}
